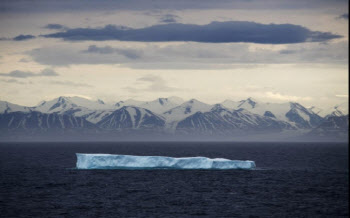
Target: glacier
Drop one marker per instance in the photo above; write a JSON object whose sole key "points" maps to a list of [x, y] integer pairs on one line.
{"points": [[115, 161]]}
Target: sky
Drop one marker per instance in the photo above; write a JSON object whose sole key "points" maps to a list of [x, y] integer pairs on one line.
{"points": [[271, 50]]}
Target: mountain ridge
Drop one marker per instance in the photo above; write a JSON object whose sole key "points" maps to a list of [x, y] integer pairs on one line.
{"points": [[184, 117]]}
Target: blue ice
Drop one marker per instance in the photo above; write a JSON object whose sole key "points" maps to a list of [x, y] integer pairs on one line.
{"points": [[115, 161]]}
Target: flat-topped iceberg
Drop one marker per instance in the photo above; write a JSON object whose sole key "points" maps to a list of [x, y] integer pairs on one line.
{"points": [[110, 161]]}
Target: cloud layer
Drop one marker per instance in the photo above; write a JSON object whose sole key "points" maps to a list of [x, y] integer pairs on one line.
{"points": [[190, 55], [215, 32], [344, 16], [54, 26], [90, 5], [23, 37], [25, 74], [154, 84]]}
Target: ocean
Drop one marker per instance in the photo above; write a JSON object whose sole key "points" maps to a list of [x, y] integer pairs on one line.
{"points": [[291, 180]]}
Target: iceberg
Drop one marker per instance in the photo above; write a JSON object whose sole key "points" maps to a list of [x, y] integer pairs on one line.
{"points": [[115, 161]]}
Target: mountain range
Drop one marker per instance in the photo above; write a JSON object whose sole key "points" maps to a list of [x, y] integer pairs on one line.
{"points": [[172, 117]]}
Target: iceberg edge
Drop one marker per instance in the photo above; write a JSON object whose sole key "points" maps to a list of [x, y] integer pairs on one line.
{"points": [[116, 161]]}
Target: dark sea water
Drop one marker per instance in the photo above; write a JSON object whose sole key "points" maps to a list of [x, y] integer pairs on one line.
{"points": [[291, 180]]}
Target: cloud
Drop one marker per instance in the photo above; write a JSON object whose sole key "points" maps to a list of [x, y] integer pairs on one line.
{"points": [[47, 72], [25, 74], [45, 6], [24, 60], [19, 74], [169, 18], [282, 97], [344, 16], [12, 81], [71, 84], [54, 26], [128, 53], [23, 37], [153, 84], [190, 55], [215, 32], [342, 96]]}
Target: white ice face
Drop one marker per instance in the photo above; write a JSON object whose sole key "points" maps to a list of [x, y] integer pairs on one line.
{"points": [[109, 161]]}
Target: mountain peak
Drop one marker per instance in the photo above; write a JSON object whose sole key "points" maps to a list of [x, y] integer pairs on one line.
{"points": [[250, 101], [194, 101], [128, 102], [61, 99], [176, 100], [162, 101], [218, 107]]}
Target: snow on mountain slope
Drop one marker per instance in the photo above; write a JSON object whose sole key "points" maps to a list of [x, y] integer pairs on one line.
{"points": [[93, 116], [129, 117], [63, 104], [176, 100], [315, 110], [338, 110], [273, 109], [186, 109], [334, 127], [291, 112], [129, 102], [7, 107], [230, 104], [168, 109], [221, 120], [92, 111], [161, 105], [38, 120]]}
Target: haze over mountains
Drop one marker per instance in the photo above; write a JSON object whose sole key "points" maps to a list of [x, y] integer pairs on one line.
{"points": [[172, 117]]}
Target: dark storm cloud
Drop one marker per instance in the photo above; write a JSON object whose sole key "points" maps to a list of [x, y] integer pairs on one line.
{"points": [[25, 74], [95, 5], [344, 16], [23, 37], [54, 26], [215, 32]]}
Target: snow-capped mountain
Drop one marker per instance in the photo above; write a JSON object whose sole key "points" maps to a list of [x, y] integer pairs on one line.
{"points": [[224, 121], [337, 110], [64, 105], [6, 107], [185, 109], [171, 115], [129, 117], [162, 105], [230, 104], [315, 110], [332, 127], [92, 111], [95, 111], [93, 116], [128, 102], [291, 112], [302, 117], [37, 120]]}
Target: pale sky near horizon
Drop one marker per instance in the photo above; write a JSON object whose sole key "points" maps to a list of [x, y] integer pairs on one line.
{"points": [[271, 50]]}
